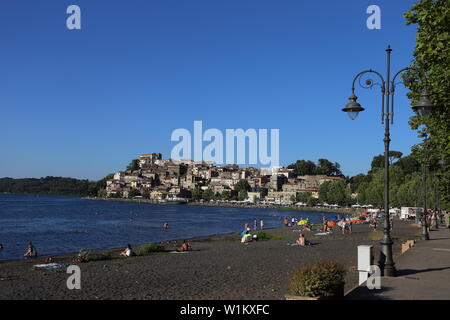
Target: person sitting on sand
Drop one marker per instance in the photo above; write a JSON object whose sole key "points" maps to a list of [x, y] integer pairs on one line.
{"points": [[301, 240], [31, 251], [128, 252], [184, 247], [247, 237]]}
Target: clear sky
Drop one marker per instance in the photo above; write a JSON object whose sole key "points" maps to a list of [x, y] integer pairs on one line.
{"points": [[82, 103]]}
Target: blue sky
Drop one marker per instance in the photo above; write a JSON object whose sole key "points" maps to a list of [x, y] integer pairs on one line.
{"points": [[82, 103]]}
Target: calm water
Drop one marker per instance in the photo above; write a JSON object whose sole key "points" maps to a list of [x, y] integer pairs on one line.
{"points": [[59, 225]]}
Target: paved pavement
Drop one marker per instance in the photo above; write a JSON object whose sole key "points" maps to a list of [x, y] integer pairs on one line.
{"points": [[423, 273]]}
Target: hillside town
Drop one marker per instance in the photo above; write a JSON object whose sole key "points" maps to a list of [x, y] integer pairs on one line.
{"points": [[152, 177]]}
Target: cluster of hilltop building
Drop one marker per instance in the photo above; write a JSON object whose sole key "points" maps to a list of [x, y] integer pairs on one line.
{"points": [[158, 179]]}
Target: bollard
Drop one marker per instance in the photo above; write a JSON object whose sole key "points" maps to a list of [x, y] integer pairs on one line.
{"points": [[365, 260]]}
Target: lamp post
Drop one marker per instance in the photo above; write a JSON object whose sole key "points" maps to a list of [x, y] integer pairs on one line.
{"points": [[353, 108], [442, 164], [425, 234]]}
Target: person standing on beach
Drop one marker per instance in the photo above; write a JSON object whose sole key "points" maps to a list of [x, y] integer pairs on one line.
{"points": [[325, 225], [255, 225], [350, 226], [261, 224]]}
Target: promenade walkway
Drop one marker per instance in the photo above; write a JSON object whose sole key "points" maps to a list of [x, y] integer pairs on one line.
{"points": [[423, 273]]}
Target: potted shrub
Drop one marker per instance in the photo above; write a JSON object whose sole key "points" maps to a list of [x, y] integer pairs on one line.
{"points": [[322, 280]]}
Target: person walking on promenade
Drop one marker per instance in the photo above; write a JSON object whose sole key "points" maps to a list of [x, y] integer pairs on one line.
{"points": [[447, 220], [434, 221]]}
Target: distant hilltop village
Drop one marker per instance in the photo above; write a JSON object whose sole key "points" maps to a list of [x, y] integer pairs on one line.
{"points": [[151, 177]]}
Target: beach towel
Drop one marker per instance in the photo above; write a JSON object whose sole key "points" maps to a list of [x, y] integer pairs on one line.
{"points": [[179, 251], [322, 233], [49, 266]]}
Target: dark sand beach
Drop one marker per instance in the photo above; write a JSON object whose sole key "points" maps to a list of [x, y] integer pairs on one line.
{"points": [[219, 267]]}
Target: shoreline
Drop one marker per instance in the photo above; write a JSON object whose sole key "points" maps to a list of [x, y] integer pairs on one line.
{"points": [[231, 205], [135, 246]]}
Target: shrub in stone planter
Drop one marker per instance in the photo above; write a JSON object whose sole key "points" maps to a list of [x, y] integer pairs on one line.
{"points": [[322, 279]]}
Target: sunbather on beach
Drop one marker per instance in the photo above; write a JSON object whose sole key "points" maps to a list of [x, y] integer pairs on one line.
{"points": [[128, 252], [301, 241], [184, 247], [247, 237], [306, 227], [31, 251]]}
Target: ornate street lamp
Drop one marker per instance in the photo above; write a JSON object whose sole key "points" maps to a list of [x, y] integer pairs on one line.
{"points": [[424, 106], [353, 108], [425, 235]]}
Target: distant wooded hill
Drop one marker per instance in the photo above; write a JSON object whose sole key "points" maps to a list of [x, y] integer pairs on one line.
{"points": [[52, 186]]}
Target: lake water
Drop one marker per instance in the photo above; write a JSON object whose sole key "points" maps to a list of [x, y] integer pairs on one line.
{"points": [[58, 225]]}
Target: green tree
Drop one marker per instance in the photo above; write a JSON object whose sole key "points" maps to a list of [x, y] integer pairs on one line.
{"points": [[394, 155], [133, 193], [242, 185], [303, 196], [293, 198], [208, 194], [197, 193], [242, 195], [312, 201], [323, 192], [408, 164], [357, 180], [329, 168], [134, 165], [303, 167], [377, 162], [226, 195], [432, 56]]}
